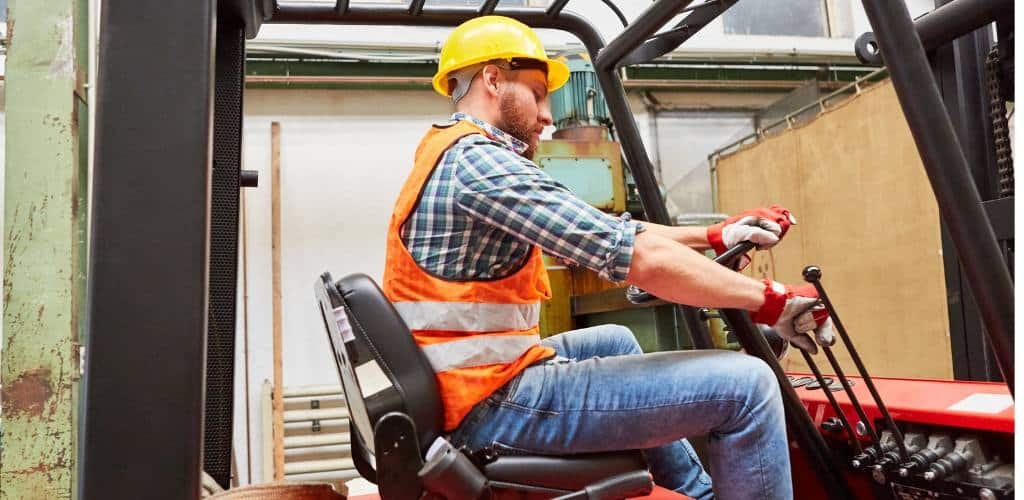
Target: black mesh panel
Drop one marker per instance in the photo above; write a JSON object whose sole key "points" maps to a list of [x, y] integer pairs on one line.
{"points": [[220, 346]]}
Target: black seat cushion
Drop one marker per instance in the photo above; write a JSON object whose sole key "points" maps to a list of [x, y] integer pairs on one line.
{"points": [[380, 330]]}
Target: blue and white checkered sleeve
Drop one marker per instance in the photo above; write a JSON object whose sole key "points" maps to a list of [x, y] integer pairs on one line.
{"points": [[507, 191]]}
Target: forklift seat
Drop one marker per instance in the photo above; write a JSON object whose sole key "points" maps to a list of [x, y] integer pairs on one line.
{"points": [[395, 417]]}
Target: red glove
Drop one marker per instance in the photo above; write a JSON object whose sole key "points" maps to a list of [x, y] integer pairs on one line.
{"points": [[763, 226], [795, 311]]}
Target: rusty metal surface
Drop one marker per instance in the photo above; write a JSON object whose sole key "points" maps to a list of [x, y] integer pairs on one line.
{"points": [[592, 133], [563, 148], [297, 491], [43, 250]]}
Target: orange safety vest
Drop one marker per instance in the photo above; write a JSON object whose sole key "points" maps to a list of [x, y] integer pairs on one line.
{"points": [[477, 335]]}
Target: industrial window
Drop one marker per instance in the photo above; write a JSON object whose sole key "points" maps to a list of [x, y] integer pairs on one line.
{"points": [[476, 3], [806, 18]]}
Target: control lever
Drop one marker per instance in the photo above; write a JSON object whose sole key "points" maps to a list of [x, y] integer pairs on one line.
{"points": [[812, 274], [730, 258], [873, 453], [967, 451], [631, 484], [913, 443], [832, 401], [938, 446]]}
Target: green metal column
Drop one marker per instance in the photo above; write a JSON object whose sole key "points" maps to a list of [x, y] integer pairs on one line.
{"points": [[44, 246]]}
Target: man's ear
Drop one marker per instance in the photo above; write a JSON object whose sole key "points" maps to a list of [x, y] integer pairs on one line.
{"points": [[491, 76]]}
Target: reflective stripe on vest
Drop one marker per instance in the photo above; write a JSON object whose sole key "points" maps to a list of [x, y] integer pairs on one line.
{"points": [[469, 316], [478, 350]]}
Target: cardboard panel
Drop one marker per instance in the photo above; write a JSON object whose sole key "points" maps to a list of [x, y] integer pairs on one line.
{"points": [[868, 217]]}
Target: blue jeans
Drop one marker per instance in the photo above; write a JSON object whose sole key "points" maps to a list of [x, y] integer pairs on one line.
{"points": [[601, 393]]}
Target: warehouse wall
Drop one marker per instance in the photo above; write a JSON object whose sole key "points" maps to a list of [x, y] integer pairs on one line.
{"points": [[868, 217]]}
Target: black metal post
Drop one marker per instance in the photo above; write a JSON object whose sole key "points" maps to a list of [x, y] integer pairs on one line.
{"points": [[958, 18], [556, 7], [142, 429], [840, 414], [223, 292], [959, 69], [415, 8], [801, 426], [685, 29], [487, 8], [947, 23], [638, 31], [946, 166]]}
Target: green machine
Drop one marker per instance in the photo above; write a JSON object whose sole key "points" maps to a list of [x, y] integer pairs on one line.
{"points": [[583, 155]]}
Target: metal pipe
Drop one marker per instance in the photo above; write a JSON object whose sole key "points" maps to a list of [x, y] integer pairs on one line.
{"points": [[832, 400], [854, 401], [416, 7], [946, 166], [645, 25], [944, 24], [665, 42], [487, 8], [812, 274], [800, 424], [556, 7], [424, 81], [618, 12], [958, 18]]}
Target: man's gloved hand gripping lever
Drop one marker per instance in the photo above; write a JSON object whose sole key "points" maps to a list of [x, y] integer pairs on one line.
{"points": [[674, 272]]}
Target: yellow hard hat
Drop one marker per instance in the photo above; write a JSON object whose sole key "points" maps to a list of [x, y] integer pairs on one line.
{"points": [[488, 38]]}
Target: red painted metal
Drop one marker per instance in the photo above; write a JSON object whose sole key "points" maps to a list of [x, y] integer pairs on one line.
{"points": [[919, 401]]}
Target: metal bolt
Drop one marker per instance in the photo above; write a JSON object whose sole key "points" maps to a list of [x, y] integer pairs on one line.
{"points": [[855, 463], [861, 428], [904, 472], [986, 494], [929, 476]]}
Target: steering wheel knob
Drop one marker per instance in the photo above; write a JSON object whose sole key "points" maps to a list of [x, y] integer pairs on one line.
{"points": [[812, 274]]}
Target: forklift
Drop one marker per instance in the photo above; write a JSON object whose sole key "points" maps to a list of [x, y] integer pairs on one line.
{"points": [[163, 254]]}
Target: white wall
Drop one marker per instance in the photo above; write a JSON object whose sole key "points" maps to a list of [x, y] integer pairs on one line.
{"points": [[344, 155]]}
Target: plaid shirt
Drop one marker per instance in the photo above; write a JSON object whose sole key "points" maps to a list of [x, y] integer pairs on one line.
{"points": [[485, 206]]}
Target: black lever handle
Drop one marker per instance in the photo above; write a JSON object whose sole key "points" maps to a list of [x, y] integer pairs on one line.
{"points": [[637, 295], [812, 275], [631, 484]]}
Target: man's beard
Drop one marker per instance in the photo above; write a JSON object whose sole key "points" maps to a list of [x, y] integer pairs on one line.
{"points": [[515, 124]]}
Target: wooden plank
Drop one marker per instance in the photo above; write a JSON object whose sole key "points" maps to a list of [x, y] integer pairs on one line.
{"points": [[556, 312], [275, 167], [868, 217], [267, 431], [245, 337], [613, 299]]}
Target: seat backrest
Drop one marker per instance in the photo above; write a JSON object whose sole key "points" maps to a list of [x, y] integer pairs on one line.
{"points": [[382, 370]]}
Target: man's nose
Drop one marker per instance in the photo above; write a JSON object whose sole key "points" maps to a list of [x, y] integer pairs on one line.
{"points": [[544, 113]]}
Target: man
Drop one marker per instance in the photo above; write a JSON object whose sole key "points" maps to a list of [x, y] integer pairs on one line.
{"points": [[464, 270]]}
